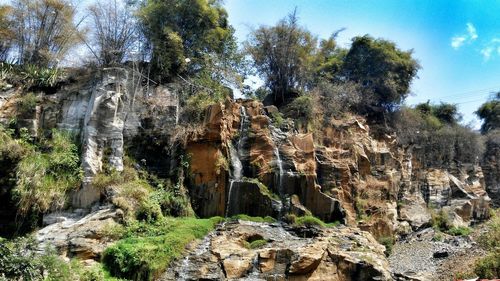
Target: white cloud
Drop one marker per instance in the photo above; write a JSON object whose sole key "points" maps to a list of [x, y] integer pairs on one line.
{"points": [[472, 31], [457, 41], [492, 47], [486, 52], [468, 36]]}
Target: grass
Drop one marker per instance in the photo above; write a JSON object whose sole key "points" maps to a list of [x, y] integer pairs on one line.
{"points": [[308, 221], [255, 244], [47, 173], [146, 249], [459, 231], [488, 267], [244, 217], [388, 242]]}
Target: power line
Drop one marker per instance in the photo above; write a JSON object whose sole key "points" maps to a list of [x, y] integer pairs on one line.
{"points": [[462, 95]]}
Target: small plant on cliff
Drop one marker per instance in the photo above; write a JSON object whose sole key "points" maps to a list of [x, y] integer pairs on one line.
{"points": [[27, 103], [388, 242], [440, 220]]}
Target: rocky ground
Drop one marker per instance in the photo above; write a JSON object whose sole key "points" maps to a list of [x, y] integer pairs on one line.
{"points": [[421, 257]]}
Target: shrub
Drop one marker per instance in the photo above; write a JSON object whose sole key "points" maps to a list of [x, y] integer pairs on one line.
{"points": [[149, 211], [27, 103], [20, 259], [41, 76], [305, 111], [488, 267], [44, 178], [490, 239], [460, 231], [440, 221], [388, 242], [147, 249]]}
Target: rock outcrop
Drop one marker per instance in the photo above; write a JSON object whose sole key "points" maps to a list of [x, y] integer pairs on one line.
{"points": [[340, 253], [79, 235], [107, 110]]}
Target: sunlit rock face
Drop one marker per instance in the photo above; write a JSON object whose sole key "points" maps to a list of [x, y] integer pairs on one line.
{"points": [[283, 162], [340, 174]]}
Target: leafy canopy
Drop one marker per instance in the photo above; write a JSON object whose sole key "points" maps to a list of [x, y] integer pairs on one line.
{"points": [[186, 35], [381, 68], [489, 112]]}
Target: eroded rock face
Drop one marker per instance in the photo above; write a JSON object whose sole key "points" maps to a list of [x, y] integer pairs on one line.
{"points": [[76, 235], [341, 253]]}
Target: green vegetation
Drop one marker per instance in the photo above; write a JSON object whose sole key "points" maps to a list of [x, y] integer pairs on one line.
{"points": [[45, 175], [27, 103], [244, 217], [20, 260], [460, 231], [386, 85], [178, 30], [31, 75], [147, 248], [283, 55], [488, 267], [388, 242], [489, 112], [255, 244], [436, 136], [263, 188], [304, 110], [308, 221]]}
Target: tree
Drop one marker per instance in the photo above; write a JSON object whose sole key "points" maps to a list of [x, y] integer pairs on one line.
{"points": [[114, 31], [6, 31], [283, 54], [489, 112], [44, 30], [185, 36], [329, 59], [381, 68], [447, 113]]}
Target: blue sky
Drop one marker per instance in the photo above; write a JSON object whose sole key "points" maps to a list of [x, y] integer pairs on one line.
{"points": [[456, 42]]}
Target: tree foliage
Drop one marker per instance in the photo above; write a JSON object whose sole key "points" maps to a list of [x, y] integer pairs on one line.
{"points": [[186, 35], [489, 112], [114, 31], [6, 31], [381, 68], [44, 30], [435, 141], [283, 54]]}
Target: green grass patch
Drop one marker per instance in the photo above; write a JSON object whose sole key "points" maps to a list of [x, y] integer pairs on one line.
{"points": [[147, 249], [459, 231], [258, 243], [308, 221], [244, 217]]}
